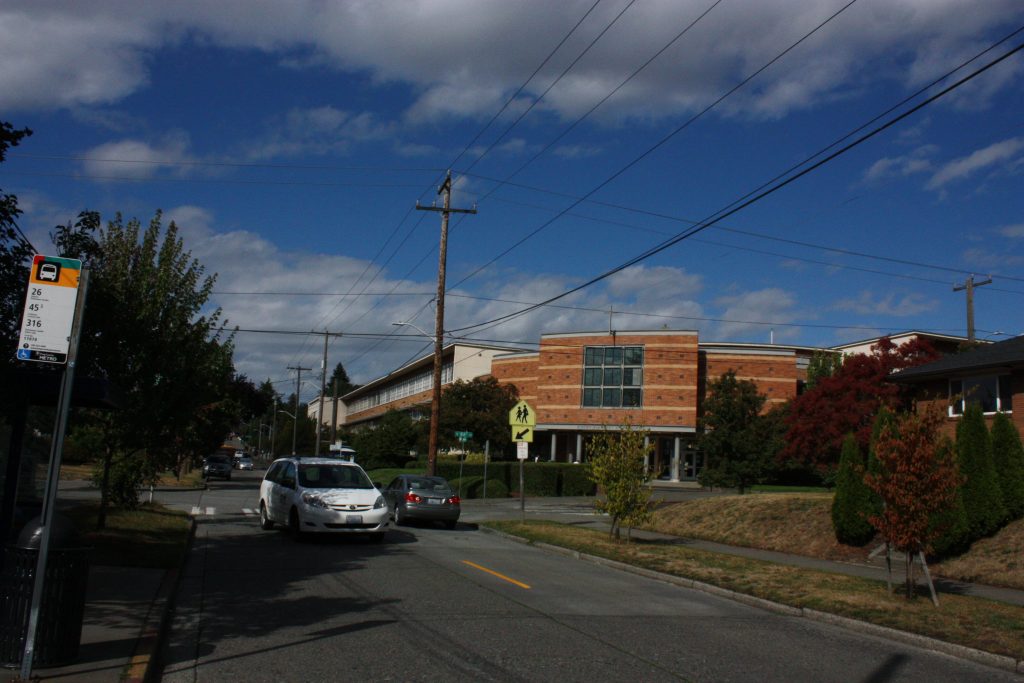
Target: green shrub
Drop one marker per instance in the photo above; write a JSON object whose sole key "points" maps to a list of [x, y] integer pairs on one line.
{"points": [[955, 536], [851, 505], [576, 481], [982, 496], [1008, 459], [473, 487]]}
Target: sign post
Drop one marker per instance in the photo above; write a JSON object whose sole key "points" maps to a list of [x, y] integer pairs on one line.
{"points": [[54, 307], [522, 419], [463, 437]]}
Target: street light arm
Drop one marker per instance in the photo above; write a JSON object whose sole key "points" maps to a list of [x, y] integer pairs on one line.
{"points": [[417, 328], [286, 413]]}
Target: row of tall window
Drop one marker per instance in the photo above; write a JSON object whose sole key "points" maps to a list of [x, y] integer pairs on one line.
{"points": [[991, 392], [415, 384], [613, 376]]}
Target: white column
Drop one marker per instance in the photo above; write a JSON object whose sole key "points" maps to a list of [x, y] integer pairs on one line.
{"points": [[579, 447], [675, 460], [554, 441], [647, 454]]}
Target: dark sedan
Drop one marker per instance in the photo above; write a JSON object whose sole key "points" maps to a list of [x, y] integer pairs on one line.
{"points": [[217, 466], [431, 499]]}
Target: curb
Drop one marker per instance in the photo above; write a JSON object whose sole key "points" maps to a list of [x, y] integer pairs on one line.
{"points": [[1003, 662], [144, 662]]}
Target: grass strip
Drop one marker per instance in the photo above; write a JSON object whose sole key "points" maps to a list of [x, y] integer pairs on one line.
{"points": [[969, 621], [150, 536]]}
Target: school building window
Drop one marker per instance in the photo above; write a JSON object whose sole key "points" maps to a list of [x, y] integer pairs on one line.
{"points": [[613, 376]]}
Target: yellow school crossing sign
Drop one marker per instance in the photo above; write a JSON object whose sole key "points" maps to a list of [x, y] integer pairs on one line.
{"points": [[522, 420]]}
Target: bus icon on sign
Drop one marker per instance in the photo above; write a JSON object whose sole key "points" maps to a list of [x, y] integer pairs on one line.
{"points": [[49, 272]]}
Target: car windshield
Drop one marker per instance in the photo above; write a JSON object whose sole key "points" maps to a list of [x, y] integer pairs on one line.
{"points": [[429, 485], [217, 459], [333, 477]]}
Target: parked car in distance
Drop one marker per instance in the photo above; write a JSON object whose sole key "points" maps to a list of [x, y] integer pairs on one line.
{"points": [[414, 496], [322, 495], [243, 462], [217, 466]]}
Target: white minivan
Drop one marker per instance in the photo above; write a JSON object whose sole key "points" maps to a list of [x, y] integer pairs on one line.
{"points": [[321, 495]]}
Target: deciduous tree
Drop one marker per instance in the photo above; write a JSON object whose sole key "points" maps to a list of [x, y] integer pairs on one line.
{"points": [[14, 257], [917, 480], [734, 450], [846, 402], [480, 406], [617, 466]]}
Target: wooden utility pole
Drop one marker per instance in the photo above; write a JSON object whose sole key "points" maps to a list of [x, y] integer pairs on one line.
{"points": [[435, 401], [323, 391], [334, 412], [298, 385], [969, 285]]}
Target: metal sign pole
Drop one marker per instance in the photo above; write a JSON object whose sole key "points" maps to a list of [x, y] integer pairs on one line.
{"points": [[487, 453], [522, 492], [53, 476]]}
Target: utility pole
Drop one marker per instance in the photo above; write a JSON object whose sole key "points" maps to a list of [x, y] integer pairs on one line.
{"points": [[334, 412], [969, 285], [323, 390], [298, 384], [435, 401]]}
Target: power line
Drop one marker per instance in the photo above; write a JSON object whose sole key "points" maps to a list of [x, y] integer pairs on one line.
{"points": [[650, 150], [722, 214]]}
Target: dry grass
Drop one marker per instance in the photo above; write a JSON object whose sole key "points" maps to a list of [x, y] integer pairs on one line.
{"points": [[801, 524], [151, 536], [973, 622], [192, 479]]}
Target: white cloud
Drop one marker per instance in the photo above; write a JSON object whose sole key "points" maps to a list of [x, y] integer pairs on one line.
{"points": [[1003, 151], [137, 158], [1015, 230], [743, 311], [318, 131], [69, 54], [891, 304], [902, 166], [986, 259]]}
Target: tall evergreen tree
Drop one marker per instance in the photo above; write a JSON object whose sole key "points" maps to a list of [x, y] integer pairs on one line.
{"points": [[1008, 458], [851, 505], [737, 456], [983, 499]]}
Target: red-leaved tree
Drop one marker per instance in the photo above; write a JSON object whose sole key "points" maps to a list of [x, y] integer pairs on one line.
{"points": [[847, 402], [917, 480]]}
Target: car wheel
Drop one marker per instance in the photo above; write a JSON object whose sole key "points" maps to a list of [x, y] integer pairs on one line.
{"points": [[265, 522], [294, 525], [450, 524], [399, 517]]}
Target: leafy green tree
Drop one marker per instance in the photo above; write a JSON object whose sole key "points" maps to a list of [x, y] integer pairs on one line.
{"points": [[735, 452], [144, 331], [305, 437], [822, 364], [852, 498], [14, 257], [480, 406], [389, 443], [983, 498], [1008, 458], [618, 466]]}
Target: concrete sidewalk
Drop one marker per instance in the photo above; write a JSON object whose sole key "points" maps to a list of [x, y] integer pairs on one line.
{"points": [[126, 608]]}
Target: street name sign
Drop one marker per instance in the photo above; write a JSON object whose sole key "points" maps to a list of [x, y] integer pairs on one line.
{"points": [[463, 436], [522, 415], [49, 309]]}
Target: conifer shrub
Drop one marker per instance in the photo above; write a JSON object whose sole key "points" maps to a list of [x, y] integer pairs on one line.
{"points": [[983, 499], [1008, 459], [951, 527], [853, 499]]}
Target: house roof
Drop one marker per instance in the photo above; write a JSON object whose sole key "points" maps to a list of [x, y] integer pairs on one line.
{"points": [[900, 336], [1004, 354]]}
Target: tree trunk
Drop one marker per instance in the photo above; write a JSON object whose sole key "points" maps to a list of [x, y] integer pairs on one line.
{"points": [[910, 575]]}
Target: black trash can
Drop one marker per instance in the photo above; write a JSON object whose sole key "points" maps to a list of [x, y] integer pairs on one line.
{"points": [[63, 604]]}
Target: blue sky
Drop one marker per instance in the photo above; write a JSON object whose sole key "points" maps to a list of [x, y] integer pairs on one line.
{"points": [[291, 141]]}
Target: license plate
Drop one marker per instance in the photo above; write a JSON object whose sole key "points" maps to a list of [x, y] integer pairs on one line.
{"points": [[435, 501], [353, 519]]}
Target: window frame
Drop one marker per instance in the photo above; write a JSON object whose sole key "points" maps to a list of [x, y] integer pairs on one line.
{"points": [[1003, 393], [608, 362]]}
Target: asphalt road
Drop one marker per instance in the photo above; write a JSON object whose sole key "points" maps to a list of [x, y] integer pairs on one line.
{"points": [[430, 604]]}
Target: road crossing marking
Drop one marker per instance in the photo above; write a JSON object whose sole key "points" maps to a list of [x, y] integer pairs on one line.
{"points": [[248, 511], [494, 573], [196, 511]]}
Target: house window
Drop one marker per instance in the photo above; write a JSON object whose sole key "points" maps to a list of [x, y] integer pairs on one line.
{"points": [[991, 392], [613, 376]]}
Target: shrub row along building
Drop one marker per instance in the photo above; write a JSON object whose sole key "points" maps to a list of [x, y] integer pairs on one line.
{"points": [[580, 383]]}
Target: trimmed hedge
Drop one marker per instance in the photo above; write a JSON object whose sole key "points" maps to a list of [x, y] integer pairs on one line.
{"points": [[539, 478]]}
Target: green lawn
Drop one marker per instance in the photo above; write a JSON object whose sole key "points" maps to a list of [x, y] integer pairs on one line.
{"points": [[151, 536]]}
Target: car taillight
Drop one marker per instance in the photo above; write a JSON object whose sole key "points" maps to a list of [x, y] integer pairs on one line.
{"points": [[454, 500], [411, 497]]}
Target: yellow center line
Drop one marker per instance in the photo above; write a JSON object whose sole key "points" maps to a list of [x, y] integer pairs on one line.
{"points": [[494, 573]]}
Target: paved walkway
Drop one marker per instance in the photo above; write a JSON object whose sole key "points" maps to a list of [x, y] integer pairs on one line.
{"points": [[124, 607]]}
